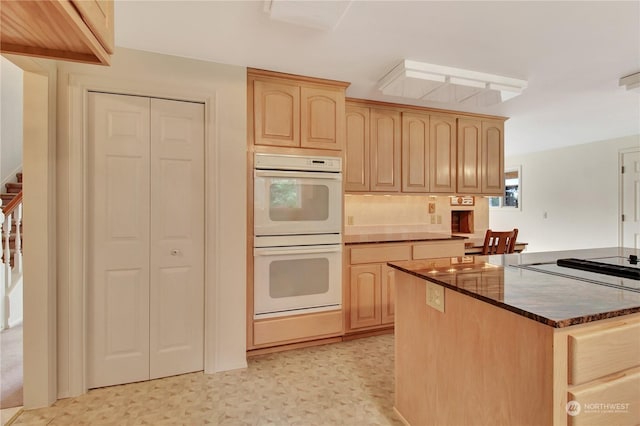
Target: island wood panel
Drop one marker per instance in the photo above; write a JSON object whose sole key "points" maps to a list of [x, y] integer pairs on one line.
{"points": [[474, 364], [385, 150], [356, 173], [601, 352]]}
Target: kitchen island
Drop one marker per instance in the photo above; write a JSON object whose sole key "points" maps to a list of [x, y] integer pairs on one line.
{"points": [[512, 339]]}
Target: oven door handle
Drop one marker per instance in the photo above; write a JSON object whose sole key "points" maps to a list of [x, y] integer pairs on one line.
{"points": [[284, 251], [299, 175]]}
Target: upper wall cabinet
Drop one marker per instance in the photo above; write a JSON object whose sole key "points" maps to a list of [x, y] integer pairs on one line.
{"points": [[480, 156], [385, 150], [428, 153], [356, 174], [295, 111], [492, 157], [373, 149], [469, 147], [400, 148], [70, 30]]}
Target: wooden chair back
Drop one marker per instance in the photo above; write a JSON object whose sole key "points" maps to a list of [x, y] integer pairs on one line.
{"points": [[499, 242]]}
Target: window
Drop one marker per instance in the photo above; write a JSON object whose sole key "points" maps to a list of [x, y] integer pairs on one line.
{"points": [[512, 190]]}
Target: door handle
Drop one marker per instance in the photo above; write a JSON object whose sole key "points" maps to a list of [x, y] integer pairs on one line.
{"points": [[175, 252]]}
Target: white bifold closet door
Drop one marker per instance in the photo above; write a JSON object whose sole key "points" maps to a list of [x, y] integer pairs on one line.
{"points": [[145, 212]]}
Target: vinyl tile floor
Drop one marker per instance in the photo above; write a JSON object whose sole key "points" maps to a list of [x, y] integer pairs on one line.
{"points": [[348, 383]]}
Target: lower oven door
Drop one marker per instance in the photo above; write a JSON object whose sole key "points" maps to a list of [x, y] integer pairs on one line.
{"points": [[297, 279]]}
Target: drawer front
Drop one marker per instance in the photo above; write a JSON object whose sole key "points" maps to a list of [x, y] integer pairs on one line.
{"points": [[438, 249], [614, 400], [378, 254], [297, 328], [602, 352]]}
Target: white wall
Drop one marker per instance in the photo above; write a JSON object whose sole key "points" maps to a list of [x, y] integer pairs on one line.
{"points": [[11, 119], [577, 187]]}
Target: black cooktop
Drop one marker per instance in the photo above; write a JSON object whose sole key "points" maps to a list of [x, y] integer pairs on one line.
{"points": [[615, 271]]}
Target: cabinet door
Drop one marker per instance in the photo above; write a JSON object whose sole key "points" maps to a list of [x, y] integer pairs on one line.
{"points": [[98, 15], [356, 174], [442, 154], [322, 118], [385, 150], [415, 152], [365, 296], [276, 109], [388, 288], [492, 157], [64, 30], [469, 156]]}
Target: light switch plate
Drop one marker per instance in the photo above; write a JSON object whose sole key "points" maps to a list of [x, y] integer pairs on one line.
{"points": [[435, 296]]}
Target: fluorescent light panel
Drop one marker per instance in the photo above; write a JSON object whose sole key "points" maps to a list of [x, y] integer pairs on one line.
{"points": [[419, 80], [631, 82], [322, 15]]}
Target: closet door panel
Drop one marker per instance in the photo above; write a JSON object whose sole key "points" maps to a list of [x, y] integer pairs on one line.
{"points": [[177, 237], [118, 239]]}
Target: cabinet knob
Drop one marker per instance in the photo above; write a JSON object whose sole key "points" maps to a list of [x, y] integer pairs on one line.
{"points": [[175, 252]]}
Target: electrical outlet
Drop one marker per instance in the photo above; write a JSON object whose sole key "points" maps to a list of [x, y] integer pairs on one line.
{"points": [[439, 219], [433, 219], [349, 220], [435, 296]]}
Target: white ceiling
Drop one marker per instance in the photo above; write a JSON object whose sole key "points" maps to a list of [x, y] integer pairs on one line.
{"points": [[572, 53]]}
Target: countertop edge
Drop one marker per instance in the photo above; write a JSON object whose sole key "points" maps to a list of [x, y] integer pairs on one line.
{"points": [[547, 321]]}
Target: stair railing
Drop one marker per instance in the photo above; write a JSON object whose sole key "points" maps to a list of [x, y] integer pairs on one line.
{"points": [[11, 217]]}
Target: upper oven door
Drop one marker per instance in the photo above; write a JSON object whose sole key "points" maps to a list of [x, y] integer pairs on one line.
{"points": [[291, 202]]}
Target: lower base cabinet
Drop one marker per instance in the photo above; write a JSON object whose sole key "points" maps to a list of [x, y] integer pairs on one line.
{"points": [[369, 301], [297, 328], [371, 294]]}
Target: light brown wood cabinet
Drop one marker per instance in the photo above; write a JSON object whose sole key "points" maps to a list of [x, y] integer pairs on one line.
{"points": [[385, 150], [492, 157], [356, 173], [372, 295], [428, 153], [76, 30], [373, 150], [293, 111], [370, 304], [396, 148], [480, 157]]}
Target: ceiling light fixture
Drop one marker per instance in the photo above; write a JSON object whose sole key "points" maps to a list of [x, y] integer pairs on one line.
{"points": [[419, 80], [631, 82], [322, 15]]}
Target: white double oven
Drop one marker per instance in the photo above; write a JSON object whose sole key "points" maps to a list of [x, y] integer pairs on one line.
{"points": [[297, 234]]}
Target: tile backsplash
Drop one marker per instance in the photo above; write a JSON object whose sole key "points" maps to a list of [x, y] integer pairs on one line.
{"points": [[409, 211]]}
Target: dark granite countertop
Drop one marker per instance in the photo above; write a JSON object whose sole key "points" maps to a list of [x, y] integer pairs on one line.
{"points": [[397, 237], [552, 299]]}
